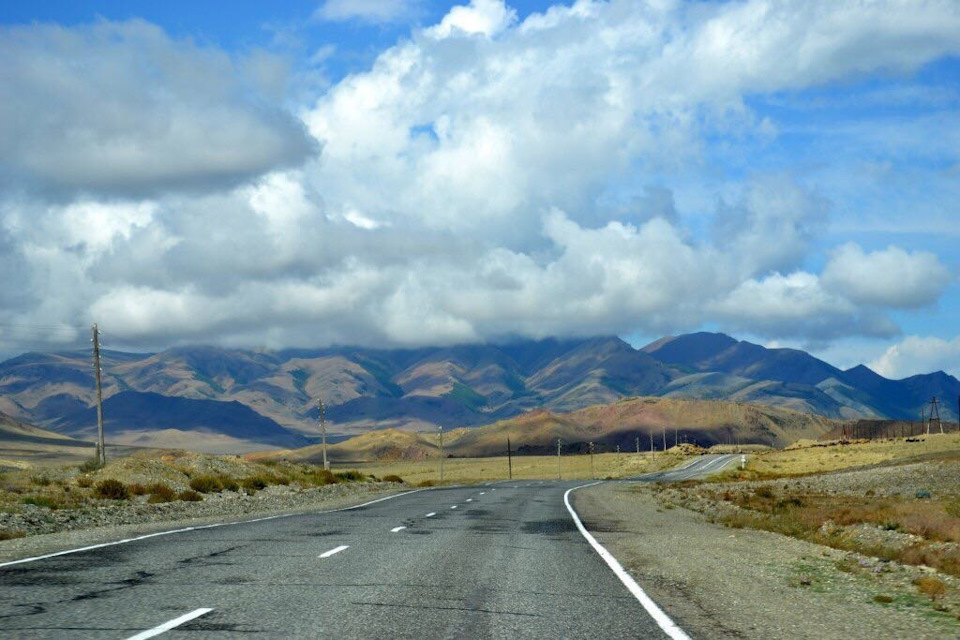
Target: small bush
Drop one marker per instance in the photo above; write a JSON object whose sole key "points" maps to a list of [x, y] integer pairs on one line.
{"points": [[206, 483], [90, 465], [930, 586], [255, 483], [11, 534], [138, 489], [426, 483], [189, 496], [229, 483], [349, 476], [322, 477], [392, 478], [43, 501], [764, 492], [41, 480], [111, 489], [84, 482], [160, 492], [882, 599]]}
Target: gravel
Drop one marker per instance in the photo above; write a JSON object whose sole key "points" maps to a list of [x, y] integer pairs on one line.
{"points": [[55, 530], [717, 582]]}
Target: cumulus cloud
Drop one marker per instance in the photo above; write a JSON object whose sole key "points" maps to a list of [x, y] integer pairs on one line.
{"points": [[916, 355], [890, 278], [465, 187], [123, 109]]}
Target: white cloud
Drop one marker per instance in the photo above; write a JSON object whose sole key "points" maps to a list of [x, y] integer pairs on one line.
{"points": [[373, 11], [916, 354], [890, 278], [480, 17], [123, 109], [465, 183]]}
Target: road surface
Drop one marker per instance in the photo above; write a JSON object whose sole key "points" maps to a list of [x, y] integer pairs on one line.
{"points": [[700, 467], [496, 561]]}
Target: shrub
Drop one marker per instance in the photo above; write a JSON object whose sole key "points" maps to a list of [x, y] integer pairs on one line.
{"points": [[138, 489], [189, 496], [160, 492], [206, 483], [10, 534], [764, 492], [43, 501], [84, 481], [41, 480], [112, 490], [321, 477], [229, 483], [252, 484], [930, 586], [349, 476], [392, 478], [426, 483], [882, 599], [90, 465]]}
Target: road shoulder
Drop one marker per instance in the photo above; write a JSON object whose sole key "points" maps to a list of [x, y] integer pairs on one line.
{"points": [[717, 582]]}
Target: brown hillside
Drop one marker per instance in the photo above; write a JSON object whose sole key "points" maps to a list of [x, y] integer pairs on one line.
{"points": [[705, 422]]}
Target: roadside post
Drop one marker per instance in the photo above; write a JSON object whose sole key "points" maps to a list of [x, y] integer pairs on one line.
{"points": [[743, 461]]}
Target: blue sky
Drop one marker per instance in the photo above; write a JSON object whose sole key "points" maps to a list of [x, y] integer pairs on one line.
{"points": [[399, 173]]}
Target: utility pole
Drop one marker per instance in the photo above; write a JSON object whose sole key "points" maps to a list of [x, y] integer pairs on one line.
{"points": [[101, 453], [664, 439], [323, 432], [441, 453], [558, 458], [676, 440], [638, 445], [592, 472], [509, 459], [652, 454], [935, 411], [619, 464]]}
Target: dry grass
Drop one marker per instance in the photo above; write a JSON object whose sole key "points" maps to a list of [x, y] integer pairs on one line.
{"points": [[468, 470], [819, 458]]}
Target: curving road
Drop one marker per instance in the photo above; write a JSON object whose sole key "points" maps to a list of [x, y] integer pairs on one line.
{"points": [[497, 561], [702, 466]]}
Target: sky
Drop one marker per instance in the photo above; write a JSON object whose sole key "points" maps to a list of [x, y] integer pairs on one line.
{"points": [[399, 173]]}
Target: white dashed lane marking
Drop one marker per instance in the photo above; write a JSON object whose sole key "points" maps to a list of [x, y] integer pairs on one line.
{"points": [[327, 554]]}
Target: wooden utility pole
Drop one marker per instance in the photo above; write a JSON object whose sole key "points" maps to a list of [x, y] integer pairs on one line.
{"points": [[651, 445], [509, 459], [323, 432], [101, 453], [558, 458], [441, 453], [592, 472], [664, 439]]}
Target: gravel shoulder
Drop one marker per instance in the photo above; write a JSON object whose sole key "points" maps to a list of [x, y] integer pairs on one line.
{"points": [[717, 582], [69, 529]]}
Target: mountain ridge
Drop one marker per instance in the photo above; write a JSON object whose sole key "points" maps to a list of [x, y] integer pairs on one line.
{"points": [[467, 385]]}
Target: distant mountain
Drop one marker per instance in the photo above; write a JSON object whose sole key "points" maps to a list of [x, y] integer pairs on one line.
{"points": [[795, 379], [628, 423], [263, 398]]}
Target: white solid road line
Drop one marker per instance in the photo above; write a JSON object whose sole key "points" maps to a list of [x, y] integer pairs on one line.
{"points": [[431, 514], [395, 529], [206, 526], [166, 626], [327, 554], [663, 620]]}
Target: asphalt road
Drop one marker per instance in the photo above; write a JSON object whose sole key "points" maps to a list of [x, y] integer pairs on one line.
{"points": [[497, 561], [701, 466]]}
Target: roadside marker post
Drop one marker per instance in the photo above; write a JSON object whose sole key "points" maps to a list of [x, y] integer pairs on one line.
{"points": [[743, 462]]}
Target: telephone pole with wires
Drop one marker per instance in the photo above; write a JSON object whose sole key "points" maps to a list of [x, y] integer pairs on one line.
{"points": [[101, 453]]}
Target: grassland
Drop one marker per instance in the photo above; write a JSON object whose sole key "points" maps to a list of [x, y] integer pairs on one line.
{"points": [[466, 470]]}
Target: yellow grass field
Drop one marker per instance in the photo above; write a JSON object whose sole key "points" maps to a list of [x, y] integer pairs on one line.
{"points": [[467, 470], [802, 460]]}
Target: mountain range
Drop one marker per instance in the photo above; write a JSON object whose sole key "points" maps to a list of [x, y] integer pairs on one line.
{"points": [[237, 399]]}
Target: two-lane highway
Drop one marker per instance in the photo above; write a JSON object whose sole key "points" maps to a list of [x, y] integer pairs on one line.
{"points": [[702, 466], [497, 561]]}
